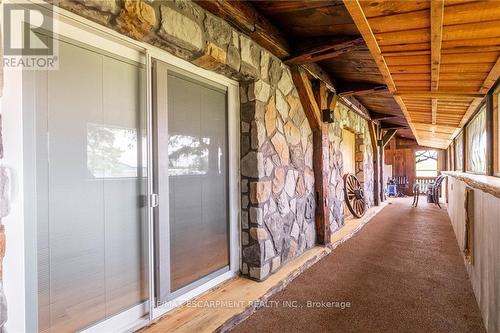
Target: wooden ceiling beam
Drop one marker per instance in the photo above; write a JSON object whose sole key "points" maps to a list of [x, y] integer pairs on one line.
{"points": [[345, 88], [245, 17], [437, 16], [325, 51], [437, 11]]}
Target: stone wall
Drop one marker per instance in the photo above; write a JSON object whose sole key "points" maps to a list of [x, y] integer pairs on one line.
{"points": [[344, 118], [277, 178], [277, 181]]}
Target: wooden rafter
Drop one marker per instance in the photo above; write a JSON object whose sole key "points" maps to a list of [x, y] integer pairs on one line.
{"points": [[437, 16], [325, 51]]}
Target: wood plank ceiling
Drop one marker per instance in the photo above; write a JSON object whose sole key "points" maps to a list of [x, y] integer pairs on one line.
{"points": [[437, 57], [323, 32]]}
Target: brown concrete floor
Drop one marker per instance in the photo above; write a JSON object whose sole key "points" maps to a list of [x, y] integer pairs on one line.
{"points": [[402, 273]]}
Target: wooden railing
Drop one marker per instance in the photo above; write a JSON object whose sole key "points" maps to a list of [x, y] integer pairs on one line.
{"points": [[423, 182]]}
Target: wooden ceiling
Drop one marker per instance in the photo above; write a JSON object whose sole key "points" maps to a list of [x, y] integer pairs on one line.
{"points": [[437, 57], [421, 66], [318, 24]]}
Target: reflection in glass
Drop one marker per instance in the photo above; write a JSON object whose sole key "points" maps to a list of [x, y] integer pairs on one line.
{"points": [[476, 143], [90, 240], [459, 149], [111, 151], [198, 180], [187, 155], [426, 163]]}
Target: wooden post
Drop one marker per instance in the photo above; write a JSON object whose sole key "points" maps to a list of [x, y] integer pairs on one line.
{"points": [[320, 166], [313, 101], [376, 162]]}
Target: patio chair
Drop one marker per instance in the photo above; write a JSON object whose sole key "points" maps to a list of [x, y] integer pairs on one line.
{"points": [[434, 190], [416, 194]]}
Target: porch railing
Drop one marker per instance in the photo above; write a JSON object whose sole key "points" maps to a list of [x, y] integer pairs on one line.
{"points": [[423, 182]]}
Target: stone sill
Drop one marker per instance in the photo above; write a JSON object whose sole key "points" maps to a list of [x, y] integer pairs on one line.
{"points": [[488, 184]]}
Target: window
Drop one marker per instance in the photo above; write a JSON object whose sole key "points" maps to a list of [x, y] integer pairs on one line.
{"points": [[452, 157], [476, 143], [426, 163], [347, 147], [459, 152], [496, 110]]}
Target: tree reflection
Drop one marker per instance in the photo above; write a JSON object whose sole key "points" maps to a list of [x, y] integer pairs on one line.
{"points": [[111, 151], [188, 155]]}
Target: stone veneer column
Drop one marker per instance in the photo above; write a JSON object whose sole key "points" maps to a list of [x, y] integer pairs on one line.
{"points": [[344, 118], [277, 182]]}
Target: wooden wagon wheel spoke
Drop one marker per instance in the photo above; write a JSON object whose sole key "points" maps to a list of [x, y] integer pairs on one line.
{"points": [[354, 195], [351, 184]]}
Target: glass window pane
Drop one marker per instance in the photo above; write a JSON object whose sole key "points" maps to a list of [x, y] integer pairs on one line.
{"points": [[459, 151], [497, 107], [91, 258], [348, 147], [476, 143], [198, 180], [426, 163]]}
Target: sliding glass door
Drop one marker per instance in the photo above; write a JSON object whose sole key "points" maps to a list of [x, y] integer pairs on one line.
{"points": [[191, 150], [91, 182], [129, 201]]}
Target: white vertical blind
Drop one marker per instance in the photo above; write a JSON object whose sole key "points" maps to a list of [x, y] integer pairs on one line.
{"points": [[91, 261]]}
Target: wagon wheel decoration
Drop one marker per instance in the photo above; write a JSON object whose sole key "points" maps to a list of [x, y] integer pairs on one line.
{"points": [[354, 195]]}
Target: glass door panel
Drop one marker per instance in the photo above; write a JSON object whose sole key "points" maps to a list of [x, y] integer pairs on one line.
{"points": [[197, 172], [192, 181], [90, 177]]}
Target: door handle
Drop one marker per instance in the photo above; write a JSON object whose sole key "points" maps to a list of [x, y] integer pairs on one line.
{"points": [[154, 200]]}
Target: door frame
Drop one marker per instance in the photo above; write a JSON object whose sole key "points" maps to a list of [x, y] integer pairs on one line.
{"points": [[186, 292], [72, 26]]}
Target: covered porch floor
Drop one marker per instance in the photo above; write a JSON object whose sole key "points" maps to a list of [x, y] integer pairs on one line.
{"points": [[403, 272], [399, 268]]}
